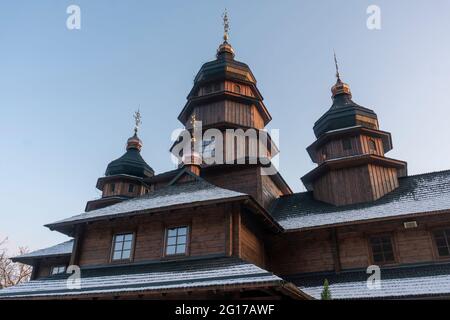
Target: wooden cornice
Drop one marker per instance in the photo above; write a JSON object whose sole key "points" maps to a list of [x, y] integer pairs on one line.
{"points": [[348, 132], [351, 161]]}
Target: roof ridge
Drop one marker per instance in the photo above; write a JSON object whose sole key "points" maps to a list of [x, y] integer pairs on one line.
{"points": [[425, 173]]}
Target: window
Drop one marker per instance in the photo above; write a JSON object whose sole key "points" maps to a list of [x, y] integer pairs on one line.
{"points": [[58, 270], [122, 245], [113, 187], [324, 154], [442, 240], [347, 144], [382, 251], [176, 240], [208, 89], [209, 148], [372, 145], [237, 89], [217, 87], [131, 187]]}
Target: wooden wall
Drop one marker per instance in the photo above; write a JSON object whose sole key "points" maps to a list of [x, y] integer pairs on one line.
{"points": [[241, 179], [312, 251], [121, 188], [269, 191], [344, 186], [300, 252], [252, 241], [227, 111], [355, 184], [207, 234], [383, 180], [44, 266]]}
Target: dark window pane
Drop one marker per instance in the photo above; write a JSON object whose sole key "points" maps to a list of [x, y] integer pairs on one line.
{"points": [[377, 257], [382, 250], [389, 256], [347, 144], [443, 251], [442, 238]]}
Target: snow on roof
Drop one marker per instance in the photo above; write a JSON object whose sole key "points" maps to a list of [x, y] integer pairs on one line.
{"points": [[59, 249], [177, 194], [425, 281], [428, 192], [161, 276]]}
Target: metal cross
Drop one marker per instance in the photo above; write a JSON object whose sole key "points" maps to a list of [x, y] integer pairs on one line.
{"points": [[226, 26]]}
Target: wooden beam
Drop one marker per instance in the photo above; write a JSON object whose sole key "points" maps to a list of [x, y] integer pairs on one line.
{"points": [[335, 250]]}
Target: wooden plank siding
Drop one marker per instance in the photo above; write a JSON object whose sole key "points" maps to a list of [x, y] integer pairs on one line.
{"points": [[344, 186], [300, 252], [227, 111], [206, 225], [312, 251], [251, 242]]}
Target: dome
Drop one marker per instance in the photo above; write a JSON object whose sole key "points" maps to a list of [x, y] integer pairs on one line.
{"points": [[344, 112], [131, 163]]}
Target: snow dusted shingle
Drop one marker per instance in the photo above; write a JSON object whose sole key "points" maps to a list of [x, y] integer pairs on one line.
{"points": [[399, 282], [64, 248], [423, 193], [177, 194], [148, 277]]}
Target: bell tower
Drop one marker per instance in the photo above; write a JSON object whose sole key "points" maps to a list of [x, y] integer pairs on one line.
{"points": [[225, 96], [350, 153], [225, 100]]}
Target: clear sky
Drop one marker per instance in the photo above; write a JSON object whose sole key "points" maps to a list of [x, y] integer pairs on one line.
{"points": [[67, 96]]}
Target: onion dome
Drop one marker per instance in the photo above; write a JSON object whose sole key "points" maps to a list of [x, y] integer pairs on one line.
{"points": [[344, 112], [131, 163]]}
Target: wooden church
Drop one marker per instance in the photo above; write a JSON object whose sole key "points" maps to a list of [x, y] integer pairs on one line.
{"points": [[229, 231]]}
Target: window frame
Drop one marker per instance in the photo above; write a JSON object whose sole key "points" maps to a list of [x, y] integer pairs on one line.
{"points": [[58, 267], [131, 186], [166, 238], [346, 147], [113, 242], [393, 245], [435, 247], [372, 143]]}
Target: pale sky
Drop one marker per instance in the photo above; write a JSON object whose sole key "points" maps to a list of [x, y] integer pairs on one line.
{"points": [[67, 97]]}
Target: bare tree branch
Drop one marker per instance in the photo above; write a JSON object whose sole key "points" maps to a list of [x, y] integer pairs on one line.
{"points": [[12, 273]]}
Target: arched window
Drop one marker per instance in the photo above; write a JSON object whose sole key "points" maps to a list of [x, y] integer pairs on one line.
{"points": [[237, 88]]}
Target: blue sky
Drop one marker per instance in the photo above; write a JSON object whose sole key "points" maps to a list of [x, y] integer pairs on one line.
{"points": [[67, 97]]}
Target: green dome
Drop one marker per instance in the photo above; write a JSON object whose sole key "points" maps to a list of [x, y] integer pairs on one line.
{"points": [[131, 163]]}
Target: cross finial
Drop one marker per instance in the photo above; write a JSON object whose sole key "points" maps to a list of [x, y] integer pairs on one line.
{"points": [[226, 25], [337, 67], [137, 120]]}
